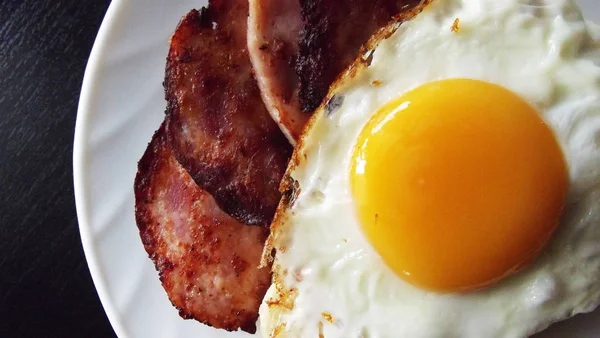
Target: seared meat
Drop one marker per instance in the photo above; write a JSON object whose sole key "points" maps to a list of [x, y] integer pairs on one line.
{"points": [[273, 30], [210, 173], [207, 261], [330, 39], [217, 124]]}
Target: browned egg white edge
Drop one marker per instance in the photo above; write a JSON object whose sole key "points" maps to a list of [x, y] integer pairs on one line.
{"points": [[284, 299]]}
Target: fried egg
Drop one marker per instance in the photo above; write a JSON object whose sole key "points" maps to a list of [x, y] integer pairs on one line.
{"points": [[450, 184]]}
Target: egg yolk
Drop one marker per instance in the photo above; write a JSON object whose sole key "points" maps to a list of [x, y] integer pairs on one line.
{"points": [[457, 184]]}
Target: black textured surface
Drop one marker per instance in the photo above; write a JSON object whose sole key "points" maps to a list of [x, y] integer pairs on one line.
{"points": [[45, 285]]}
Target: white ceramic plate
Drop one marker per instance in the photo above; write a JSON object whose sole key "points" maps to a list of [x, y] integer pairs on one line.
{"points": [[120, 107]]}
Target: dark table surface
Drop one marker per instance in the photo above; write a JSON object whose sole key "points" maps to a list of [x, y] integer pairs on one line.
{"points": [[45, 285]]}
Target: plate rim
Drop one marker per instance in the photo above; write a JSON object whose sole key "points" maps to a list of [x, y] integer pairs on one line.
{"points": [[80, 156]]}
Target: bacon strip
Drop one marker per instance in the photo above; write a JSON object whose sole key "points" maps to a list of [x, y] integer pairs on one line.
{"points": [[207, 261], [217, 124]]}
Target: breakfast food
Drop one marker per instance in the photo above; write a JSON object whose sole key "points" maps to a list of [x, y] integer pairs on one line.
{"points": [[448, 187], [273, 30], [207, 186], [217, 124], [205, 258], [298, 48]]}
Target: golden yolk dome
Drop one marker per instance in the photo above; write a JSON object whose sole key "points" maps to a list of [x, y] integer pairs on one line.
{"points": [[457, 184]]}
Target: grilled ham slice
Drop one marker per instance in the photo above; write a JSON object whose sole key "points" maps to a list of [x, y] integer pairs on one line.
{"points": [[207, 260], [299, 47], [273, 30], [217, 124], [207, 185]]}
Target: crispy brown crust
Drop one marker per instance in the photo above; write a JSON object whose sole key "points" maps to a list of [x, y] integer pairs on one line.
{"points": [[207, 261], [217, 124], [331, 38]]}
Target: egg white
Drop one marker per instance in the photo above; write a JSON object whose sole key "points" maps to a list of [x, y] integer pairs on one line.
{"points": [[546, 54]]}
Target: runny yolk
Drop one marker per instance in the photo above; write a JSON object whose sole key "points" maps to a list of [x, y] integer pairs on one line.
{"points": [[457, 184]]}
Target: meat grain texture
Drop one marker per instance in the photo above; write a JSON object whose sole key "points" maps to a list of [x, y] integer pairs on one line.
{"points": [[273, 30], [207, 260], [207, 186], [326, 37], [217, 123]]}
